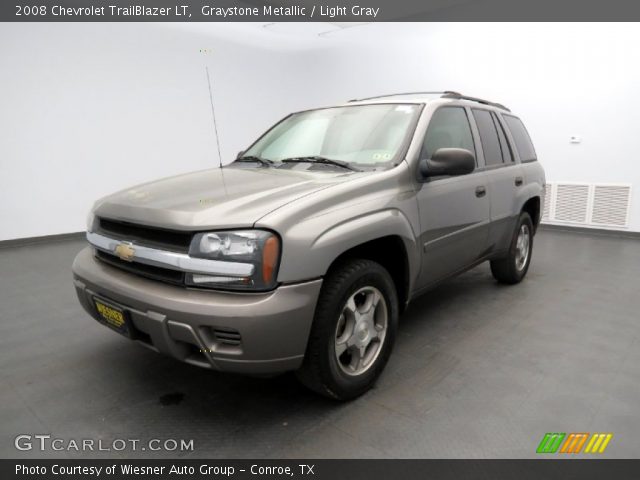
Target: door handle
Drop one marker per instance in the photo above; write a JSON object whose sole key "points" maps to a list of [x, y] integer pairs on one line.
{"points": [[518, 181], [480, 191]]}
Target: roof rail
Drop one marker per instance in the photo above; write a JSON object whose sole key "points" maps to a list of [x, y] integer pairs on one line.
{"points": [[445, 94], [459, 96], [396, 95]]}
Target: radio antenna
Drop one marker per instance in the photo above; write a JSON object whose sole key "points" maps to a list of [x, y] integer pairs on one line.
{"points": [[213, 113]]}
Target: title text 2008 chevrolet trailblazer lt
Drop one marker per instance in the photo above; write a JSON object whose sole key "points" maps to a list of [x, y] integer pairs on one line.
{"points": [[302, 253]]}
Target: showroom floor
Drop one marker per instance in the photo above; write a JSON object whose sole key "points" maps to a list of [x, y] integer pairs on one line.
{"points": [[479, 370]]}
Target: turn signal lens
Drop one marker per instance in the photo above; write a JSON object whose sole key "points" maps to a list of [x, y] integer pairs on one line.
{"points": [[270, 258]]}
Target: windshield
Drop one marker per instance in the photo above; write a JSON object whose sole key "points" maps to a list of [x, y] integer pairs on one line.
{"points": [[360, 135]]}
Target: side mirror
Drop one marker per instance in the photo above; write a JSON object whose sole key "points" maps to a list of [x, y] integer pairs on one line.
{"points": [[448, 161], [240, 154]]}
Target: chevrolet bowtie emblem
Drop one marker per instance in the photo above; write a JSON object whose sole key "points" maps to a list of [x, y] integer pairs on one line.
{"points": [[125, 251]]}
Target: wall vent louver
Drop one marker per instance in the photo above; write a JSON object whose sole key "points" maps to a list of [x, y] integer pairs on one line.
{"points": [[596, 205], [548, 197], [572, 203], [611, 205]]}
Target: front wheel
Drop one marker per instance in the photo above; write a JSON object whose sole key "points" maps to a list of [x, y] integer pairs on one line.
{"points": [[512, 268], [353, 330]]}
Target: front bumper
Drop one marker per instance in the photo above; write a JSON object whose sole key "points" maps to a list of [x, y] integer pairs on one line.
{"points": [[272, 327]]}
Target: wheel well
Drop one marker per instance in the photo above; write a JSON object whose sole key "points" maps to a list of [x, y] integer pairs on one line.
{"points": [[389, 252], [532, 207]]}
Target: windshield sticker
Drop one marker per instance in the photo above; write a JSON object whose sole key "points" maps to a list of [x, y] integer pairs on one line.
{"points": [[381, 156]]}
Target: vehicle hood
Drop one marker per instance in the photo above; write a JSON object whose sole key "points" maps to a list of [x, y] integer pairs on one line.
{"points": [[216, 198]]}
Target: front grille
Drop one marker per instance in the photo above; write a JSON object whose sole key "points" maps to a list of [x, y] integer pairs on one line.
{"points": [[171, 240], [148, 271]]}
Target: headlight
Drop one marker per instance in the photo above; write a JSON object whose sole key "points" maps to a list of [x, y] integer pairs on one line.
{"points": [[256, 251]]}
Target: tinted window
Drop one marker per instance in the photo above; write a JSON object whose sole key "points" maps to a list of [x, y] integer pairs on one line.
{"points": [[488, 137], [448, 128], [507, 155], [521, 138]]}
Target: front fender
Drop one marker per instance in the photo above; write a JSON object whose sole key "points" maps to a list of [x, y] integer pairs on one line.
{"points": [[312, 257]]}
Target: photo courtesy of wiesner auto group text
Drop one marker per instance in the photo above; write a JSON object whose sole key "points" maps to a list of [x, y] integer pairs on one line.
{"points": [[319, 239]]}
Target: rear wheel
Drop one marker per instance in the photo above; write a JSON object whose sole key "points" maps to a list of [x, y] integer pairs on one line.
{"points": [[353, 330], [512, 268]]}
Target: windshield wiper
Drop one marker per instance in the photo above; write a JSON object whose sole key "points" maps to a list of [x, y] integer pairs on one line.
{"points": [[252, 158], [323, 160]]}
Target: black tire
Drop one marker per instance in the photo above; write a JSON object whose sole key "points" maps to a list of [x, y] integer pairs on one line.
{"points": [[508, 270], [321, 371]]}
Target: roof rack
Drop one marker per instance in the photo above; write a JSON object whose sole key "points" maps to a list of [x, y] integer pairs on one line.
{"points": [[459, 96], [397, 95], [445, 94]]}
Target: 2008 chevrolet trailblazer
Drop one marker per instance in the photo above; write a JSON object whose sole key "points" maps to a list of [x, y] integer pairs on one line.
{"points": [[302, 253]]}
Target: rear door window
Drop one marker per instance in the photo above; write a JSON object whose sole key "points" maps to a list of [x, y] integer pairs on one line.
{"points": [[521, 138], [488, 137]]}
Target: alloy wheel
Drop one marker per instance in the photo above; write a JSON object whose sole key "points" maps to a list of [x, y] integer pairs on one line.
{"points": [[361, 330]]}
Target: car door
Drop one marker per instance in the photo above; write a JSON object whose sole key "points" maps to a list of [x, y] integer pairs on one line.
{"points": [[454, 210], [504, 175]]}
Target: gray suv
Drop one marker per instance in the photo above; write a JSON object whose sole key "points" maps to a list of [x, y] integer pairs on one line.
{"points": [[302, 253]]}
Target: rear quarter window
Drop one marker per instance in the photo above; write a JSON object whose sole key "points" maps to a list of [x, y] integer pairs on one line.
{"points": [[521, 138], [488, 137]]}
